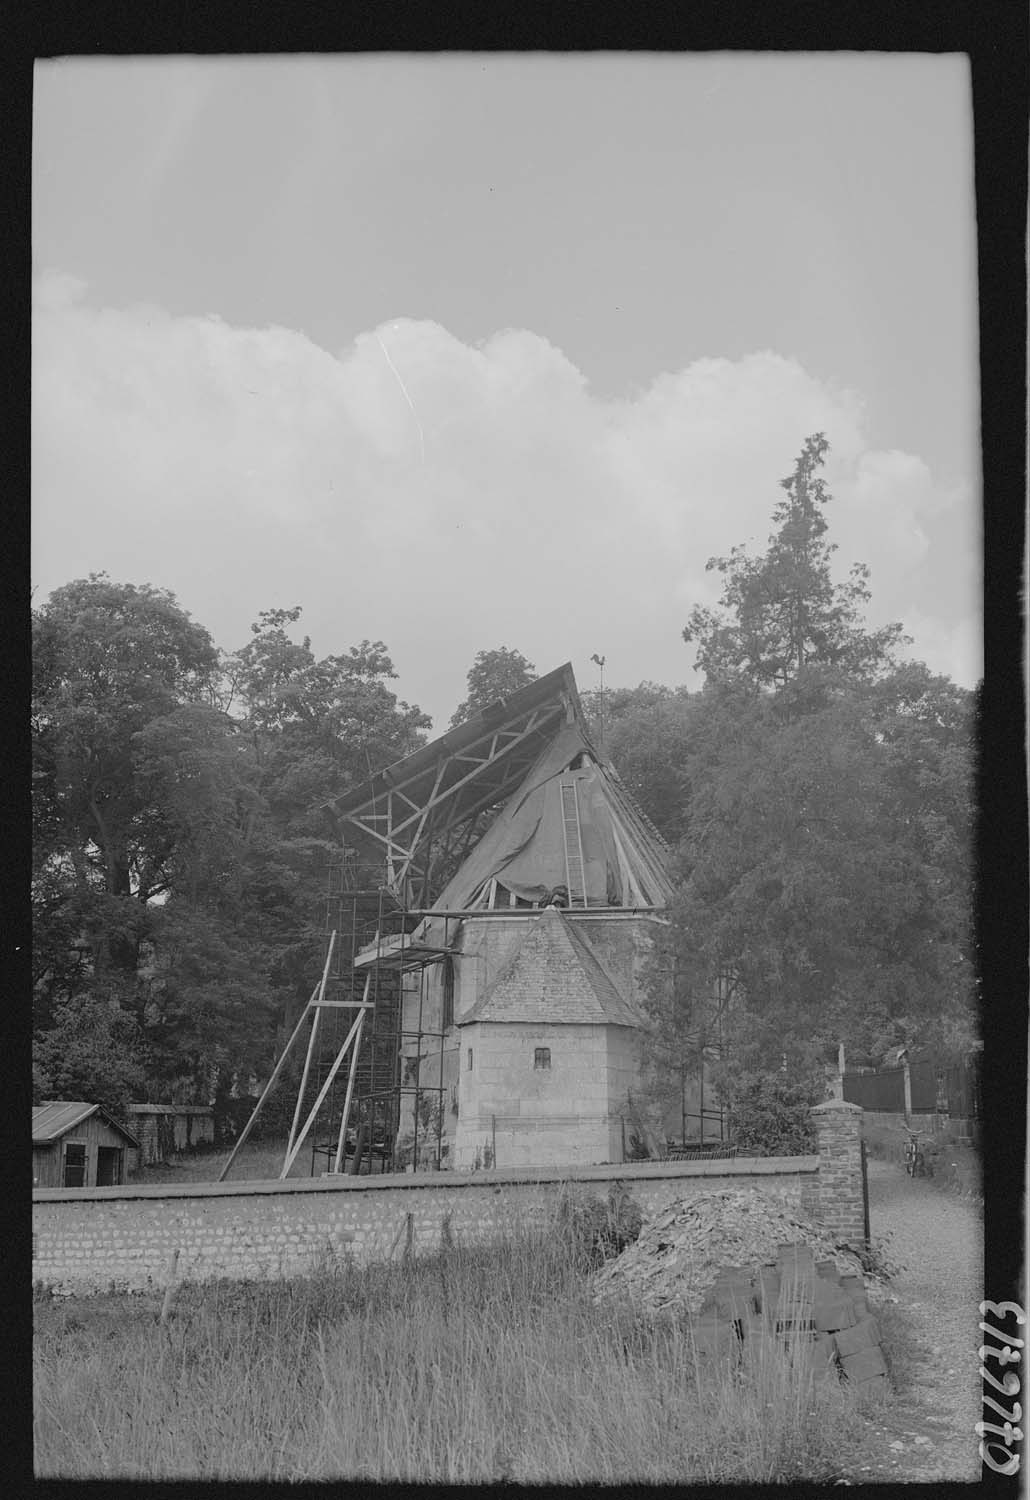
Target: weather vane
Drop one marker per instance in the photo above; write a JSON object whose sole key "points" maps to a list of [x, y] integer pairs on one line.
{"points": [[600, 660]]}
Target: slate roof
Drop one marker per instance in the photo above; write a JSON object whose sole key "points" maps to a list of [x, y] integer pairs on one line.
{"points": [[555, 977], [51, 1121]]}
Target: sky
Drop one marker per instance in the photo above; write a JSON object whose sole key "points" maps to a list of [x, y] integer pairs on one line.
{"points": [[467, 351]]}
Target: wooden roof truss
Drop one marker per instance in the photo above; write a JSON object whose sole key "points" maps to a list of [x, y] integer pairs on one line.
{"points": [[419, 814]]}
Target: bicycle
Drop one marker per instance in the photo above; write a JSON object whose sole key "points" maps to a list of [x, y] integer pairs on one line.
{"points": [[916, 1164]]}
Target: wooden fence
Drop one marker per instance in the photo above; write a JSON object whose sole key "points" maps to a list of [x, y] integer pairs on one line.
{"points": [[941, 1088]]}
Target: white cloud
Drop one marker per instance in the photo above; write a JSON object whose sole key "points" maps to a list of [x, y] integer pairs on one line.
{"points": [[448, 498], [53, 289], [953, 648]]}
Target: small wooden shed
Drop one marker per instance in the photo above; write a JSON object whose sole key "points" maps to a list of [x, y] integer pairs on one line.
{"points": [[76, 1144]]}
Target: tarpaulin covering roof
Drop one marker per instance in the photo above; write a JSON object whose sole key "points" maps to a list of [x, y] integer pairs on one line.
{"points": [[510, 756], [553, 977], [51, 1121], [524, 848]]}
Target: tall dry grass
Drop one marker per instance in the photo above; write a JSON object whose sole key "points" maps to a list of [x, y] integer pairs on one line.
{"points": [[470, 1365]]}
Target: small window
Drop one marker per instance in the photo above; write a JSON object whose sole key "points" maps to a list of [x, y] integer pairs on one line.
{"points": [[542, 1057], [469, 1063], [75, 1164]]}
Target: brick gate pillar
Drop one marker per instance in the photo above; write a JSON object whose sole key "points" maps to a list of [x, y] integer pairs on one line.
{"points": [[838, 1127]]}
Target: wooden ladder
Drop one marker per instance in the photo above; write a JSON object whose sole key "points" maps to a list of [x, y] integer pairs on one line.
{"points": [[575, 876]]}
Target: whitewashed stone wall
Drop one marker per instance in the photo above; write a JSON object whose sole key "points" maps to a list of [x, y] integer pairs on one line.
{"points": [[570, 1112], [86, 1241]]}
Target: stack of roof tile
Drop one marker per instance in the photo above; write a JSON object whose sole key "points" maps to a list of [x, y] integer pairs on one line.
{"points": [[749, 1288]]}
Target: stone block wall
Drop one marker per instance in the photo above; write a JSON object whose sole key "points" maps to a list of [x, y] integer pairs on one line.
{"points": [[561, 1112], [87, 1240]]}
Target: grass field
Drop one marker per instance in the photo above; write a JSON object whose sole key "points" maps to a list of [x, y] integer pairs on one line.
{"points": [[258, 1161], [467, 1366]]}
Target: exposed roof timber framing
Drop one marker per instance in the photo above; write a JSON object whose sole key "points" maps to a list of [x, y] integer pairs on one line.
{"points": [[428, 808], [490, 759], [420, 810], [497, 762]]}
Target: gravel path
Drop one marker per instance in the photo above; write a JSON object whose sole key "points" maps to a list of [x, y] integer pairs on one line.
{"points": [[938, 1239]]}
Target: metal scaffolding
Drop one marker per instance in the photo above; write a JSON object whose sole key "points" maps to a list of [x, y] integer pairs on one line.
{"points": [[366, 1025]]}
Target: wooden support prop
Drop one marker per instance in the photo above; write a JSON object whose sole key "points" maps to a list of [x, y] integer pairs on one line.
{"points": [[341, 1144], [302, 1090], [292, 1156], [268, 1087], [311, 1044]]}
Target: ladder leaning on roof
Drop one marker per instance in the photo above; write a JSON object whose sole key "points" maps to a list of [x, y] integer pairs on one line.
{"points": [[575, 874]]}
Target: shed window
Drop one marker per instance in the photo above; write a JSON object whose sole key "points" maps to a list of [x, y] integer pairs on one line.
{"points": [[469, 1063], [542, 1057], [75, 1164]]}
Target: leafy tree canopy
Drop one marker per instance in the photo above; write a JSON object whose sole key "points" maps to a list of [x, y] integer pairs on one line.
{"points": [[835, 896], [824, 865], [182, 819], [493, 675], [93, 1051], [647, 732], [115, 669], [782, 613]]}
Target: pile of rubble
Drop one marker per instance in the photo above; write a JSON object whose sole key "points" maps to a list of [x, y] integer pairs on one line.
{"points": [[745, 1273], [676, 1259]]}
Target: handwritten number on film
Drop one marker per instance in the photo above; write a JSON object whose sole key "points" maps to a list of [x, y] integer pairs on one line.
{"points": [[1006, 1353]]}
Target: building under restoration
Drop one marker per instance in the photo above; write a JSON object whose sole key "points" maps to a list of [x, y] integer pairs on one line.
{"points": [[529, 882], [482, 1004]]}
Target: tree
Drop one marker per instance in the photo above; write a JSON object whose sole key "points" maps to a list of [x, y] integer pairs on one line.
{"points": [[825, 871], [114, 666], [316, 727], [181, 832], [812, 876], [648, 733], [492, 676], [769, 1115], [93, 1051], [138, 780], [781, 613]]}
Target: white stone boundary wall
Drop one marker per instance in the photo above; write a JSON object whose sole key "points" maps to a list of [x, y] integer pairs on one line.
{"points": [[87, 1240], [125, 1238]]}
